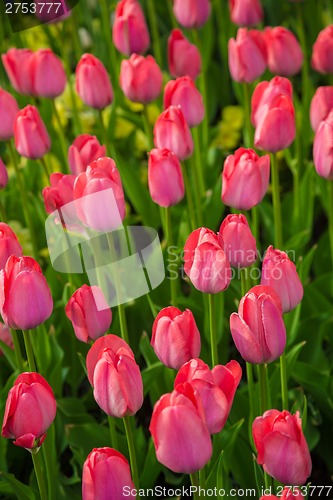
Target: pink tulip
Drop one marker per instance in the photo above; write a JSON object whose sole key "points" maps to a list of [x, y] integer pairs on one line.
{"points": [[284, 54], [245, 179], [322, 52], [282, 448], [183, 57], [93, 83], [205, 262], [106, 474], [31, 137], [18, 68], [280, 273], [9, 244], [258, 329], [288, 493], [30, 410], [247, 55], [321, 105], [182, 92], [237, 241], [246, 12], [9, 110], [48, 74], [176, 338], [180, 434], [84, 150], [322, 148], [130, 33], [172, 132], [165, 178], [140, 78], [59, 193], [115, 376], [23, 277], [3, 175], [89, 313], [5, 337], [192, 13], [216, 388]]}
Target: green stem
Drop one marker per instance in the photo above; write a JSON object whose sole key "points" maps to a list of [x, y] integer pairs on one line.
{"points": [[195, 483], [50, 470], [60, 131], [36, 459], [248, 130], [173, 282], [262, 389], [113, 433], [278, 241], [189, 198], [17, 350], [172, 17], [198, 161], [147, 127], [202, 478], [29, 351], [154, 31], [103, 131], [255, 223], [203, 88], [2, 212], [45, 168], [284, 381], [197, 192], [213, 333], [107, 39], [131, 450], [330, 215]]}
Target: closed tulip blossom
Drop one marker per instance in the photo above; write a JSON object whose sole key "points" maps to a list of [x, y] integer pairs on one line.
{"points": [[48, 74], [30, 410], [18, 68], [237, 241], [323, 148], [3, 175], [322, 51], [59, 193], [205, 262], [30, 134], [287, 494], [175, 338], [105, 474], [321, 106], [9, 244], [183, 56], [182, 92], [216, 388], [279, 272], [115, 376], [140, 78], [89, 313], [172, 132], [284, 53], [282, 449], [245, 179], [93, 83], [246, 12], [165, 178], [247, 55], [179, 431], [258, 329], [130, 33], [8, 110], [5, 337], [84, 150], [25, 297], [192, 13]]}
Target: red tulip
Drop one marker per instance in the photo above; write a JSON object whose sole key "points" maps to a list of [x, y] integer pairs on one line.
{"points": [[140, 78], [237, 241], [18, 68], [130, 33], [322, 148], [31, 137], [165, 178], [192, 13], [3, 175], [5, 337], [288, 493], [9, 244], [9, 110], [48, 74], [30, 410], [84, 150], [183, 57], [282, 448], [172, 132], [59, 193], [182, 92], [321, 105], [322, 52], [247, 55], [246, 12], [93, 83], [22, 277], [284, 54]]}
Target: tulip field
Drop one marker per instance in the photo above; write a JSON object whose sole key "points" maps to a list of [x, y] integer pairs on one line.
{"points": [[166, 249]]}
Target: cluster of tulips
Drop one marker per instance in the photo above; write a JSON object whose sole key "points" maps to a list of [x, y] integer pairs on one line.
{"points": [[183, 421]]}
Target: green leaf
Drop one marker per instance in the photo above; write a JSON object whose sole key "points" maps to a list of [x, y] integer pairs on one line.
{"points": [[21, 491]]}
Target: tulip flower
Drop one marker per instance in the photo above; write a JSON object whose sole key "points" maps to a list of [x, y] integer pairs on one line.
{"points": [[192, 13], [282, 449], [237, 241], [172, 132], [8, 110], [22, 277], [258, 329], [5, 337], [247, 55], [284, 54], [89, 313], [115, 376], [183, 57], [59, 193], [30, 410], [246, 12], [84, 150], [48, 74], [322, 148], [130, 33], [140, 78], [205, 262], [321, 105], [245, 179], [105, 475], [288, 493], [9, 244], [3, 175], [31, 137], [176, 338], [179, 431], [93, 83], [57, 11], [322, 51], [182, 92], [216, 388], [165, 178], [280, 273], [18, 68]]}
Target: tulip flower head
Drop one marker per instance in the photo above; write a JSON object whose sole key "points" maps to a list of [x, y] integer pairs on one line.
{"points": [[172, 132], [93, 83], [8, 109], [246, 12], [322, 148], [84, 150], [9, 244], [165, 178], [237, 240], [284, 54], [140, 78], [183, 92], [30, 134], [130, 33], [321, 106], [192, 13], [184, 58], [247, 55], [322, 52]]}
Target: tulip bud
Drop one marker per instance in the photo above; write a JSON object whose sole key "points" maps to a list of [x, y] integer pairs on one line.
{"points": [[258, 329], [322, 148], [288, 493], [59, 193], [9, 110], [5, 337], [280, 273], [205, 262], [140, 78], [18, 68], [245, 179], [9, 244], [282, 449], [321, 105], [3, 175], [216, 388], [192, 13], [247, 55], [176, 338], [182, 92], [246, 12], [115, 376], [48, 74], [106, 474], [237, 241], [183, 57], [284, 54], [130, 33], [172, 132], [30, 410], [179, 431], [31, 137], [93, 83], [84, 150], [322, 51], [23, 277], [165, 178]]}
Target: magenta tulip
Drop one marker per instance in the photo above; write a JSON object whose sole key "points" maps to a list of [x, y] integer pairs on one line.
{"points": [[18, 68], [84, 150], [93, 83], [321, 106], [31, 137], [192, 13], [322, 148], [48, 74], [165, 178], [237, 241], [284, 54], [140, 78], [9, 244], [130, 33], [183, 57], [246, 12], [172, 132], [59, 193], [8, 110], [183, 92], [247, 55], [322, 52]]}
